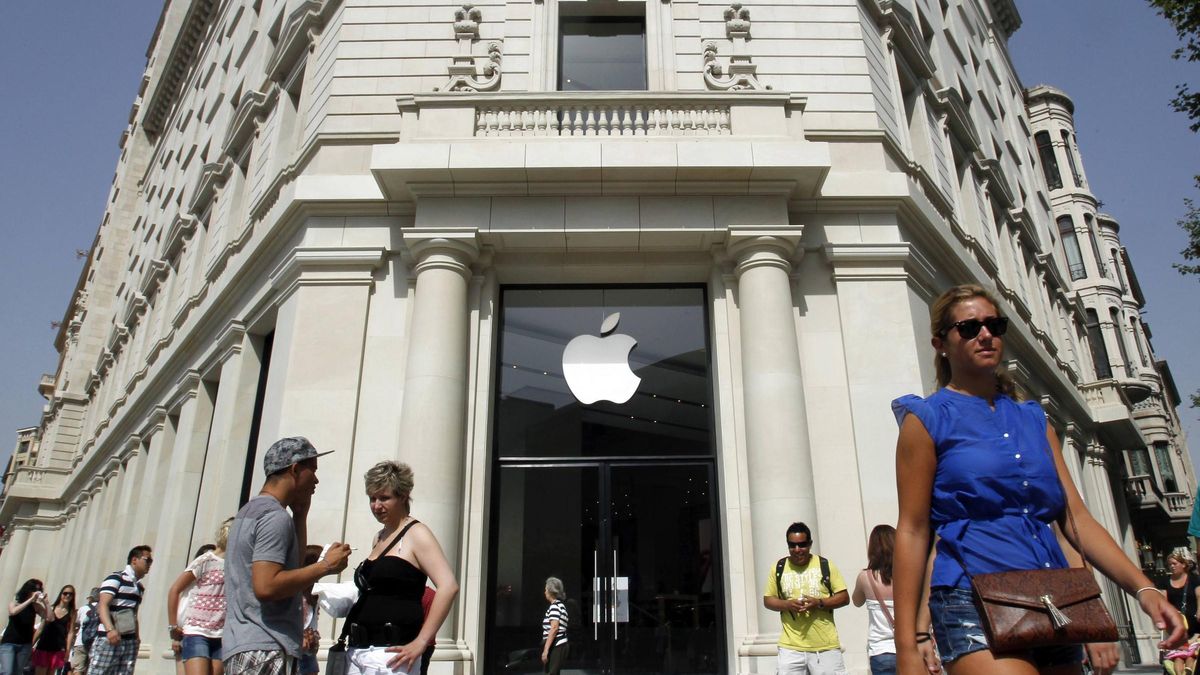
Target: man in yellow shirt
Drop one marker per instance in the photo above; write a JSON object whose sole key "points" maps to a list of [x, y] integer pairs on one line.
{"points": [[805, 589]]}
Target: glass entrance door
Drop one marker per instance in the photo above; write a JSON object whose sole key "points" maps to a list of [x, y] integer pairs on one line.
{"points": [[634, 545], [604, 477]]}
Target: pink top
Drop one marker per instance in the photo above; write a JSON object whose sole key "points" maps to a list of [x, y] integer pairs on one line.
{"points": [[205, 613]]}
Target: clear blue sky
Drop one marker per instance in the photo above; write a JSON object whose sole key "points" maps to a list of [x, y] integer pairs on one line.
{"points": [[70, 70]]}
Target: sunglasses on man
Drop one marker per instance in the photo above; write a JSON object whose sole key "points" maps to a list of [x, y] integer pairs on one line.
{"points": [[969, 328], [800, 544]]}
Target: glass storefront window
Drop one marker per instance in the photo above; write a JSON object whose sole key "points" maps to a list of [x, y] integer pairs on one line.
{"points": [[670, 414]]}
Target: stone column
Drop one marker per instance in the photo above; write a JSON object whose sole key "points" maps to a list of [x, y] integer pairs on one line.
{"points": [[777, 445], [193, 405], [132, 496], [434, 406], [229, 437], [13, 558], [157, 448], [100, 546], [315, 370]]}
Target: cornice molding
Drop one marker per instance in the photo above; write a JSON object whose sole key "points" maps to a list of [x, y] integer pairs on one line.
{"points": [[300, 32], [319, 266]]}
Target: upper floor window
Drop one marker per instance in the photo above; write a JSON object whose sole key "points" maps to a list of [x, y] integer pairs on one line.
{"points": [[1075, 175], [1166, 470], [1116, 322], [1096, 342], [1091, 232], [602, 52], [1049, 162], [1070, 242]]}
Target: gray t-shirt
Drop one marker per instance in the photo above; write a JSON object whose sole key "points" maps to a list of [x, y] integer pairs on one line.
{"points": [[262, 531]]}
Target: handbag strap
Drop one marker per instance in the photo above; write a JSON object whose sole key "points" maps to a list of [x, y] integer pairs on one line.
{"points": [[882, 605], [358, 605]]}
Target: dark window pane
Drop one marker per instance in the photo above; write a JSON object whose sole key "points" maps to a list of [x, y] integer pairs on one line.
{"points": [[669, 414], [602, 54]]}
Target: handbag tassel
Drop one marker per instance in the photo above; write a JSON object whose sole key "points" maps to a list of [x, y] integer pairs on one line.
{"points": [[1057, 618]]}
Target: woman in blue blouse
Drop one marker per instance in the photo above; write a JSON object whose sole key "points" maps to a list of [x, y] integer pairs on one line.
{"points": [[983, 471]]}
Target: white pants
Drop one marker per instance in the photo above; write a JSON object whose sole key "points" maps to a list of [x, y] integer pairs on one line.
{"points": [[374, 661], [828, 662]]}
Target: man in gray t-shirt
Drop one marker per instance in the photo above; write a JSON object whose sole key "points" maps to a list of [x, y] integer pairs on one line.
{"points": [[263, 577]]}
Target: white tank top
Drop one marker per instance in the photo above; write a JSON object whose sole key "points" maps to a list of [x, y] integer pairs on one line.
{"points": [[880, 637]]}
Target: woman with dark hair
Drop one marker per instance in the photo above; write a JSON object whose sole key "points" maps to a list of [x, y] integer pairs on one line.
{"points": [[874, 588], [50, 640], [16, 645], [983, 472]]}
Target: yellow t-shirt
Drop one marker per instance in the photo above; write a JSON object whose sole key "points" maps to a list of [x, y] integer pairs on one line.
{"points": [[811, 631]]}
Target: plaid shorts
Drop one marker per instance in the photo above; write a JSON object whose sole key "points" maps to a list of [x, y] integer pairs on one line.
{"points": [[260, 662], [109, 660]]}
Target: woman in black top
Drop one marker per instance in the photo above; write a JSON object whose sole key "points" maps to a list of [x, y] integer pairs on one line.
{"points": [[17, 643], [1183, 590], [50, 643], [388, 628]]}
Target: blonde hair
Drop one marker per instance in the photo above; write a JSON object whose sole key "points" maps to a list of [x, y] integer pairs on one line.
{"points": [[1183, 558], [223, 533], [941, 321], [394, 476]]}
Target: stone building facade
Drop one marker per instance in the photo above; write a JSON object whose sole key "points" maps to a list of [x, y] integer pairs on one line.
{"points": [[379, 224]]}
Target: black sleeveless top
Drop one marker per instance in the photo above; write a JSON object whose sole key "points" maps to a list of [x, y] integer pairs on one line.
{"points": [[54, 634], [391, 593], [20, 627]]}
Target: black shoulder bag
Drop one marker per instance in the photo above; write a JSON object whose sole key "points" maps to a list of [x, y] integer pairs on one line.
{"points": [[336, 662]]}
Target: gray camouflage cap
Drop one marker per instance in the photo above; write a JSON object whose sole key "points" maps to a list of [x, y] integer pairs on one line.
{"points": [[288, 451]]}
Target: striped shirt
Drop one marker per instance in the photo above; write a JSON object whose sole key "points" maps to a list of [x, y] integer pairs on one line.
{"points": [[556, 610], [125, 589]]}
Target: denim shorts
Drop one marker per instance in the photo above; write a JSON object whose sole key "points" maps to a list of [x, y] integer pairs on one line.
{"points": [[958, 630], [200, 647]]}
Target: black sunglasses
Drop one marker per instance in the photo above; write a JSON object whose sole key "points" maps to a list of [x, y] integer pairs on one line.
{"points": [[969, 328], [799, 544]]}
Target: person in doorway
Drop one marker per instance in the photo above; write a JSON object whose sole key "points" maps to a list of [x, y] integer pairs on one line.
{"points": [[16, 646], [198, 632], [83, 631], [805, 589], [115, 648], [388, 629], [50, 640], [263, 576], [985, 474], [874, 588], [555, 647]]}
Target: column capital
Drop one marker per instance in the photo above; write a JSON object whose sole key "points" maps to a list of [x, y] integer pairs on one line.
{"points": [[447, 248], [753, 246]]}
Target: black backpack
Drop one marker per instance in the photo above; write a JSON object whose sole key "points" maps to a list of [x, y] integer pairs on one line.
{"points": [[574, 634], [779, 578]]}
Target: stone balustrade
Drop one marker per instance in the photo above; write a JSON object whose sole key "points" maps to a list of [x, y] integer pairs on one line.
{"points": [[609, 113]]}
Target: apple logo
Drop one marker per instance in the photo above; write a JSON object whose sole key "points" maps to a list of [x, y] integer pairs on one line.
{"points": [[597, 368]]}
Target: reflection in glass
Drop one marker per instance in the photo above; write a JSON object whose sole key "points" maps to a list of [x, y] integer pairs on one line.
{"points": [[602, 53], [670, 414]]}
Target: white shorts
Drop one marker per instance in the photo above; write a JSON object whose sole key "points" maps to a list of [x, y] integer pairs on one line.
{"points": [[374, 661], [828, 662]]}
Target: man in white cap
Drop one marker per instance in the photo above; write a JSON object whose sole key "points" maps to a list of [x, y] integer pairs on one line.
{"points": [[263, 576]]}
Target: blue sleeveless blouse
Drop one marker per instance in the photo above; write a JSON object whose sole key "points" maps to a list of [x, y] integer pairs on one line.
{"points": [[995, 490]]}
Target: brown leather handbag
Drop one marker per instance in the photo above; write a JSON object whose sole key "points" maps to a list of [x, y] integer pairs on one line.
{"points": [[1025, 609]]}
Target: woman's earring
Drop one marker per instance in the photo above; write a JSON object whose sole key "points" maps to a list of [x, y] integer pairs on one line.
{"points": [[943, 355]]}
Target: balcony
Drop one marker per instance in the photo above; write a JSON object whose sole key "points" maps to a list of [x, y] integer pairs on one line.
{"points": [[1143, 494], [1112, 410], [1136, 389], [599, 143], [35, 482], [46, 386]]}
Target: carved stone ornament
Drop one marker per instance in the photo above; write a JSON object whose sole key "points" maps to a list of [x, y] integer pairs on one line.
{"points": [[466, 22], [742, 75], [465, 75], [737, 20]]}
